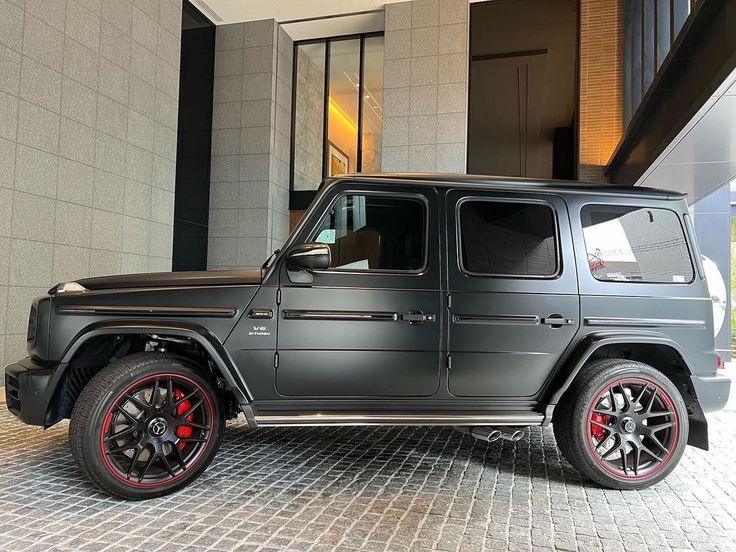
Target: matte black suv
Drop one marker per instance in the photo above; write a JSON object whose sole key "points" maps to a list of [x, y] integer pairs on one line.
{"points": [[485, 304]]}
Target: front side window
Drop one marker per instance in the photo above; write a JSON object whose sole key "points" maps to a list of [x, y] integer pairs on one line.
{"points": [[633, 244], [370, 232], [503, 238]]}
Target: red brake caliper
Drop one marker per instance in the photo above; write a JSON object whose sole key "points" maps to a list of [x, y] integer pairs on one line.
{"points": [[597, 431], [183, 430]]}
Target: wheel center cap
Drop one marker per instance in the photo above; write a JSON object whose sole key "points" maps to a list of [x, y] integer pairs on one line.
{"points": [[628, 425], [157, 427]]}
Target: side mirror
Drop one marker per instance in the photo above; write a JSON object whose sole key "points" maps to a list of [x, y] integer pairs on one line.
{"points": [[309, 256]]}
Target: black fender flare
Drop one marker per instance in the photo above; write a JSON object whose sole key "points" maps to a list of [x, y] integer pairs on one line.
{"points": [[174, 328], [573, 362]]}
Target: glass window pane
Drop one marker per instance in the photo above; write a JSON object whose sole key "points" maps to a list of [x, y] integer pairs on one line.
{"points": [[374, 233], [509, 239], [341, 150], [309, 116], [630, 244], [372, 104]]}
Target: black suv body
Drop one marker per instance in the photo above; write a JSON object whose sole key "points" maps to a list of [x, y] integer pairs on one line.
{"points": [[486, 304]]}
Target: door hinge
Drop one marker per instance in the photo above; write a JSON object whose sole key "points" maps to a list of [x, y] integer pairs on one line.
{"points": [[278, 296], [275, 360], [449, 362]]}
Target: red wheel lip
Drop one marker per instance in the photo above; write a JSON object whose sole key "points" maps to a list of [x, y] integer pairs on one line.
{"points": [[108, 416], [676, 428]]}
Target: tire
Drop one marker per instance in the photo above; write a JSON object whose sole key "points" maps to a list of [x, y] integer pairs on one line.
{"points": [[133, 447], [617, 403]]}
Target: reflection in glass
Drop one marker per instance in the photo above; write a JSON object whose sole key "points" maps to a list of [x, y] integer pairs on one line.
{"points": [[342, 111], [309, 116], [630, 244], [374, 233], [372, 114]]}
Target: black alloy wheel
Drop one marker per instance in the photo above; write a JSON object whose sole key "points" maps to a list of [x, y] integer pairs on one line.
{"points": [[146, 425], [622, 424], [633, 427]]}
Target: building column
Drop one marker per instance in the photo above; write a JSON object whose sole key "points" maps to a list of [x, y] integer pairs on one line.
{"points": [[712, 221], [425, 86], [251, 133]]}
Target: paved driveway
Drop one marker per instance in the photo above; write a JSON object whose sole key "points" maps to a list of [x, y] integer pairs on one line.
{"points": [[369, 488]]}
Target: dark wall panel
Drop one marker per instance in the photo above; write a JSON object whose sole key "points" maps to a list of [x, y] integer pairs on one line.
{"points": [[523, 89], [191, 206]]}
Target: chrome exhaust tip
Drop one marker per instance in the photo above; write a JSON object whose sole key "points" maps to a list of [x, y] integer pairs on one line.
{"points": [[510, 434], [486, 434]]}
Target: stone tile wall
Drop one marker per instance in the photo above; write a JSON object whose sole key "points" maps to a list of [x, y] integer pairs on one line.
{"points": [[88, 116], [425, 86], [249, 189]]}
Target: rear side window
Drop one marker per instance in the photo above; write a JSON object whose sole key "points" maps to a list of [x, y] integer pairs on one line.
{"points": [[373, 232], [503, 238], [636, 244]]}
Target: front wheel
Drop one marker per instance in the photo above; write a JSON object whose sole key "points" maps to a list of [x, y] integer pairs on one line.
{"points": [[146, 425], [623, 424]]}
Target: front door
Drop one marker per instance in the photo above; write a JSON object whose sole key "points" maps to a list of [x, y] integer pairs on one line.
{"points": [[370, 325], [514, 305]]}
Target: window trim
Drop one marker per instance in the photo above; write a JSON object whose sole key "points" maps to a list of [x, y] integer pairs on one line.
{"points": [[678, 218], [529, 201], [419, 198], [301, 199]]}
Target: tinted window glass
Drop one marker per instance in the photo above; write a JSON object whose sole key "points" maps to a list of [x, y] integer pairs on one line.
{"points": [[367, 232], [510, 239], [632, 244]]}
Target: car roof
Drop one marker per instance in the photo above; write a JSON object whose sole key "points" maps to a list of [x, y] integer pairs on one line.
{"points": [[509, 183]]}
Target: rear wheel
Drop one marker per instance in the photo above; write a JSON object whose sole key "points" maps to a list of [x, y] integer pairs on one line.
{"points": [[146, 426], [622, 424]]}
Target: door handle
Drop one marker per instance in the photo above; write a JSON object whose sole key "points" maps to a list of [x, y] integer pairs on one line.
{"points": [[557, 321], [417, 318], [261, 314]]}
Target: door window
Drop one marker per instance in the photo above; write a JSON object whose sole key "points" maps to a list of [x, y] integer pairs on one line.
{"points": [[504, 238], [373, 232]]}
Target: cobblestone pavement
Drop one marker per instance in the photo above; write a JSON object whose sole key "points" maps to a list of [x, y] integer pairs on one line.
{"points": [[370, 489]]}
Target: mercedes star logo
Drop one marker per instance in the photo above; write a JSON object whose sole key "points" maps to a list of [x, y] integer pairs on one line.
{"points": [[157, 427]]}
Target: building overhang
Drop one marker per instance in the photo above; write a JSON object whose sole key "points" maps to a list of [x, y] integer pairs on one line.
{"points": [[683, 135]]}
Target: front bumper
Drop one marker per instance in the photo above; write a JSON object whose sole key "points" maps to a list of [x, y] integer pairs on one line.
{"points": [[712, 391], [28, 386]]}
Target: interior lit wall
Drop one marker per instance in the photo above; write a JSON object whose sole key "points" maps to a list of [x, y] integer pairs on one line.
{"points": [[601, 85]]}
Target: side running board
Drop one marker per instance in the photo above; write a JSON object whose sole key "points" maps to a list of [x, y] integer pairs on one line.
{"points": [[434, 419]]}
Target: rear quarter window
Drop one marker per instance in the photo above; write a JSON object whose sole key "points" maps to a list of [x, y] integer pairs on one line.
{"points": [[636, 244]]}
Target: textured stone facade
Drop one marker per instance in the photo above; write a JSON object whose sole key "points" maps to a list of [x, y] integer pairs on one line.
{"points": [[88, 116], [425, 86], [251, 133]]}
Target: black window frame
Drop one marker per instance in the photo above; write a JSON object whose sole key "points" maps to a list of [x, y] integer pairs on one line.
{"points": [[539, 202], [418, 198], [302, 199], [694, 266]]}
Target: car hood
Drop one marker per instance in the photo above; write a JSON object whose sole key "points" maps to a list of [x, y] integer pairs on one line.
{"points": [[173, 279]]}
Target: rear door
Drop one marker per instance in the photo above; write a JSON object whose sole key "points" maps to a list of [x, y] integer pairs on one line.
{"points": [[370, 325], [514, 305]]}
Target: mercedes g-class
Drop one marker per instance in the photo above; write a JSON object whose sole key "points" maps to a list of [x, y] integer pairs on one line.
{"points": [[488, 304]]}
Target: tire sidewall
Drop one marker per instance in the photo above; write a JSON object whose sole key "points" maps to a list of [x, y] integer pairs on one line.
{"points": [[104, 399], [581, 431]]}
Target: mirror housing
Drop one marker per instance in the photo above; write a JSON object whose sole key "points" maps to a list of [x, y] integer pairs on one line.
{"points": [[309, 256]]}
